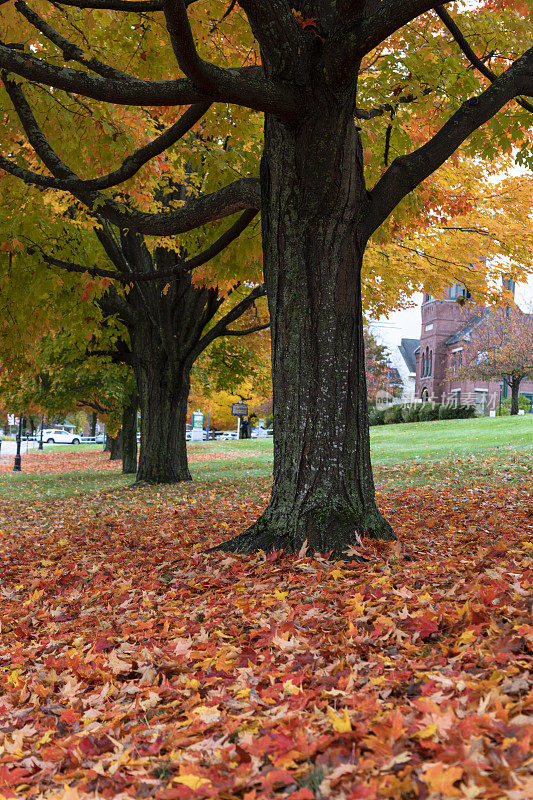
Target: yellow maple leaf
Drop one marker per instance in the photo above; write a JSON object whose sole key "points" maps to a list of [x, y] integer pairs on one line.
{"points": [[426, 733], [440, 779], [340, 724], [193, 781]]}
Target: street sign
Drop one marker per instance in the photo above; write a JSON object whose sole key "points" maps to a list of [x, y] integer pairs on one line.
{"points": [[197, 420], [239, 409]]}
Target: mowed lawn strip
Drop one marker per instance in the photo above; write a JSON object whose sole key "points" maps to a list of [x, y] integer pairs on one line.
{"points": [[454, 452]]}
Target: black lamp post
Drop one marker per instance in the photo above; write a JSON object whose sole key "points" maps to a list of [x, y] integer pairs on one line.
{"points": [[41, 436], [17, 464]]}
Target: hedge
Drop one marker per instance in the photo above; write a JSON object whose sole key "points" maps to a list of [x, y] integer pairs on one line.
{"points": [[419, 412]]}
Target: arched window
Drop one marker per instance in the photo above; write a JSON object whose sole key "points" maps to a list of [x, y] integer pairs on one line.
{"points": [[430, 362], [425, 395], [425, 364]]}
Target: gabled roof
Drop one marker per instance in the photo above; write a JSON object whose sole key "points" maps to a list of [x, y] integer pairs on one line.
{"points": [[408, 348], [466, 329]]}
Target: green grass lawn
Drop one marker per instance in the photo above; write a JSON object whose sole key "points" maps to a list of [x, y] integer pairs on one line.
{"points": [[451, 452]]}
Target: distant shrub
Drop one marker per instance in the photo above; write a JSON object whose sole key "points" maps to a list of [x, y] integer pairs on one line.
{"points": [[453, 411], [428, 412], [375, 416], [414, 413], [448, 411], [393, 414], [405, 413], [523, 405], [465, 412]]}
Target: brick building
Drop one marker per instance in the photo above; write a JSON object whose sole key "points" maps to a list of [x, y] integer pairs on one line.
{"points": [[442, 337]]}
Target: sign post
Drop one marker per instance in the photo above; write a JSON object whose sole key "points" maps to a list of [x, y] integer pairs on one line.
{"points": [[197, 433], [239, 410]]}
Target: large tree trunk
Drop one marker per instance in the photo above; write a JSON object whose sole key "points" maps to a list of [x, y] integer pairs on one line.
{"points": [[515, 386], [129, 436], [163, 389], [92, 428], [312, 193], [116, 447]]}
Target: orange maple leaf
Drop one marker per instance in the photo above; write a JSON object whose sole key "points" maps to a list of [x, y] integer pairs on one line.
{"points": [[440, 779]]}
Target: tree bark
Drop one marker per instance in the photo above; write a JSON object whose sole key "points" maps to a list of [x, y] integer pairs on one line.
{"points": [[92, 428], [163, 387], [312, 198], [515, 386], [116, 447], [129, 436], [108, 443], [163, 402]]}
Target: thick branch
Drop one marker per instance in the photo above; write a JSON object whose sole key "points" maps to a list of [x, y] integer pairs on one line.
{"points": [[407, 172], [221, 327], [346, 47], [93, 404], [245, 86], [469, 53], [241, 195], [132, 276], [70, 50], [132, 164], [246, 331]]}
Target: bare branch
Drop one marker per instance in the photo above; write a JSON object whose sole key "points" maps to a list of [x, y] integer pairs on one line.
{"points": [[408, 171], [209, 78], [469, 53], [132, 276]]}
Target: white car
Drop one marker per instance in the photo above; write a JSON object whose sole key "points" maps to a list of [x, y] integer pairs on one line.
{"points": [[224, 436], [58, 436]]}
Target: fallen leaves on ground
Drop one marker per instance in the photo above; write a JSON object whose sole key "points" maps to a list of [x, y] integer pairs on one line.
{"points": [[134, 665], [93, 460]]}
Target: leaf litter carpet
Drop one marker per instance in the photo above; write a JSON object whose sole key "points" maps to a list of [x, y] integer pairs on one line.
{"points": [[132, 665]]}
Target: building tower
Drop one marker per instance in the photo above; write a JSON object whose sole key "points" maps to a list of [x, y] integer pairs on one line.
{"points": [[440, 319]]}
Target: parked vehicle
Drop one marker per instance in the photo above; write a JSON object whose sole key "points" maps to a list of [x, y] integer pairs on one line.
{"points": [[224, 436], [58, 436]]}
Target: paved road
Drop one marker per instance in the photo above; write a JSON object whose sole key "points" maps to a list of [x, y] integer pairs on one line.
{"points": [[10, 448]]}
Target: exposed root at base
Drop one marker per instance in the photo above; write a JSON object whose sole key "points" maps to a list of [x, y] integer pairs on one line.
{"points": [[252, 541]]}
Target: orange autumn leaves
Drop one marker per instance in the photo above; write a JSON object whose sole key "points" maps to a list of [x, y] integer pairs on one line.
{"points": [[134, 665]]}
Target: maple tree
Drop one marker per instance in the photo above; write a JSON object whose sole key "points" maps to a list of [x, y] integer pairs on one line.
{"points": [[379, 374], [318, 62], [499, 346], [230, 370], [169, 308]]}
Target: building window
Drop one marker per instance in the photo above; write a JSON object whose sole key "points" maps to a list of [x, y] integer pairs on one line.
{"points": [[426, 366], [430, 362], [456, 291], [480, 400], [425, 395], [429, 327], [456, 396]]}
